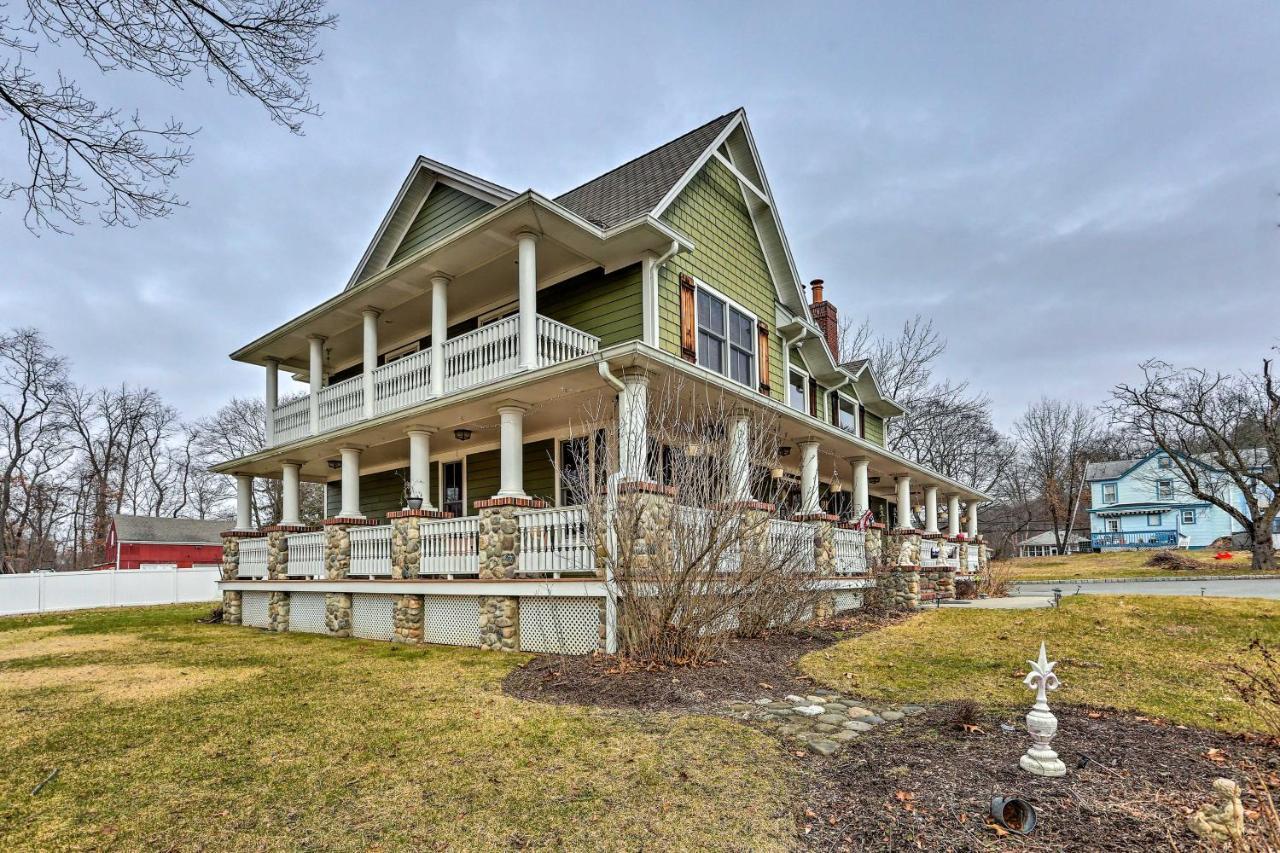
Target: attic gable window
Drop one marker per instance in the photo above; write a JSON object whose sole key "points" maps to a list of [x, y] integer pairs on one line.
{"points": [[726, 337], [1164, 490]]}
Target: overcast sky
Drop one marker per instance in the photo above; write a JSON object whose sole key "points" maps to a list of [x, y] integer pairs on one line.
{"points": [[1066, 189]]}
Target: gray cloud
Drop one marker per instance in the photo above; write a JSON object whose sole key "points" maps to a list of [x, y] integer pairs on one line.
{"points": [[1067, 190]]}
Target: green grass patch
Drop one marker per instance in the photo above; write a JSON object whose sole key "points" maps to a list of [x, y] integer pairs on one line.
{"points": [[1162, 656], [174, 735], [1121, 564]]}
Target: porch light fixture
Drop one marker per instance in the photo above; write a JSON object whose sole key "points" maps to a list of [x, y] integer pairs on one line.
{"points": [[776, 473], [873, 480], [784, 450], [462, 434], [335, 464]]}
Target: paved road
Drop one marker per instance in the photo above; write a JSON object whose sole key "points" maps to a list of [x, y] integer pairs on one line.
{"points": [[1030, 596]]}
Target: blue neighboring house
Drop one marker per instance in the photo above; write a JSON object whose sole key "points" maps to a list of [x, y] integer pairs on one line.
{"points": [[1145, 503]]}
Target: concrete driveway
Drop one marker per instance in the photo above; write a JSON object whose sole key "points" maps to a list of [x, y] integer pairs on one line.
{"points": [[1029, 596]]}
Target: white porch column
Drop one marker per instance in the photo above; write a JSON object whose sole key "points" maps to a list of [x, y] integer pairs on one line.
{"points": [[861, 496], [739, 457], [972, 507], [528, 273], [370, 357], [439, 330], [244, 502], [809, 477], [272, 397], [290, 477], [953, 515], [633, 426], [420, 464], [512, 450], [904, 502], [350, 482], [316, 373], [649, 299], [931, 509]]}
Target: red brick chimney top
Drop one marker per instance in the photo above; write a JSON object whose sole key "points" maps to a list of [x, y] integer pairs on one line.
{"points": [[824, 314]]}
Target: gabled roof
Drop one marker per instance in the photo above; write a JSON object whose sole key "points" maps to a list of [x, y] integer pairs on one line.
{"points": [[1109, 470], [176, 531], [1255, 457], [636, 187], [1048, 538]]}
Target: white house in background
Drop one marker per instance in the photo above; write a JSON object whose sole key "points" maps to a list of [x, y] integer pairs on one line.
{"points": [[1046, 545]]}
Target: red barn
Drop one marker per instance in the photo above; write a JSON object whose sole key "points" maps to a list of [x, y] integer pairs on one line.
{"points": [[135, 540]]}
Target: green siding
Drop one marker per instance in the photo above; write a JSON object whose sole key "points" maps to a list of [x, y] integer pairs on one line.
{"points": [[727, 256], [379, 494], [607, 306], [875, 429], [483, 475], [446, 209]]}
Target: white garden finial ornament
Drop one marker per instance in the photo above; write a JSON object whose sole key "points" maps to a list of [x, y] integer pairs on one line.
{"points": [[1041, 724]]}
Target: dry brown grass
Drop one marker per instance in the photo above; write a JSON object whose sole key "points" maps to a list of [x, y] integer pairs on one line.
{"points": [[53, 641], [135, 683]]}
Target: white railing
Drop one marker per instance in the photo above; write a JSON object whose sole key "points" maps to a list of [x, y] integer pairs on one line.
{"points": [[292, 420], [488, 353], [791, 542], [951, 555], [558, 342], [930, 553], [971, 562], [556, 542], [341, 404], [253, 558], [450, 547], [371, 551], [306, 554], [402, 383], [694, 530], [850, 551]]}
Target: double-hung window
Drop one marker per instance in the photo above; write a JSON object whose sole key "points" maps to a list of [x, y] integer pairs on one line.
{"points": [[726, 338], [1108, 493], [798, 391], [1164, 490], [1188, 516], [1153, 519], [846, 414], [1113, 525]]}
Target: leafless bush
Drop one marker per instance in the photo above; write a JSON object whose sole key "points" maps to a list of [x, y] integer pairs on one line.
{"points": [[697, 562], [997, 581], [1256, 680], [966, 589]]}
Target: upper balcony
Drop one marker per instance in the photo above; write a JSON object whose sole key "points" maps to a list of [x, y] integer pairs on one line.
{"points": [[459, 311], [487, 354]]}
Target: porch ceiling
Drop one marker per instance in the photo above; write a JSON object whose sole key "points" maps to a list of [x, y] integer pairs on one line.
{"points": [[481, 260]]}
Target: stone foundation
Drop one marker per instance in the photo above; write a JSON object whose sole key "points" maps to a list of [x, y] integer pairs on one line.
{"points": [[937, 582], [499, 623], [337, 613], [278, 611], [901, 585], [230, 607], [408, 619]]}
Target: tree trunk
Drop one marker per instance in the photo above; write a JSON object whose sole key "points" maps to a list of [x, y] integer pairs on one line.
{"points": [[1264, 556]]}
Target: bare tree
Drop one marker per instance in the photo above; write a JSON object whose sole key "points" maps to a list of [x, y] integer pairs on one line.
{"points": [[82, 154], [1222, 433], [690, 574], [33, 382], [947, 426], [1055, 438]]}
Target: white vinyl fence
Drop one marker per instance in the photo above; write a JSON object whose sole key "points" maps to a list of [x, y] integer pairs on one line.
{"points": [[43, 592]]}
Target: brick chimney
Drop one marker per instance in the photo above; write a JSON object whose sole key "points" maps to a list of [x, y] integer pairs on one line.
{"points": [[824, 314]]}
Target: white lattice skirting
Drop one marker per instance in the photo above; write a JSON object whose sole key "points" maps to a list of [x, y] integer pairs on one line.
{"points": [[373, 616], [560, 625], [306, 612], [253, 609], [451, 620]]}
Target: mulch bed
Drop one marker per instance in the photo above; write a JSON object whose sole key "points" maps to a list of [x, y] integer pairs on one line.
{"points": [[929, 785], [745, 669]]}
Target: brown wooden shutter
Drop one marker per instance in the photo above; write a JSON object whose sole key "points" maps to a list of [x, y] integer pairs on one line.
{"points": [[688, 319], [762, 356], [862, 421], [813, 397], [833, 407]]}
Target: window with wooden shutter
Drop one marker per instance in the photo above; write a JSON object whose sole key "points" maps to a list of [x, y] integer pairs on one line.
{"points": [[688, 318], [813, 397], [762, 356]]}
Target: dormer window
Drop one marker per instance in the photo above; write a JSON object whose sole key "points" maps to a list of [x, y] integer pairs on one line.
{"points": [[798, 390], [846, 413], [726, 337]]}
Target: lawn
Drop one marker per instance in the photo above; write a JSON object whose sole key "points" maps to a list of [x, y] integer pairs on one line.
{"points": [[168, 734], [1160, 656], [1120, 564]]}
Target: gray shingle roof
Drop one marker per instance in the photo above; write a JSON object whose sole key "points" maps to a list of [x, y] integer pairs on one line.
{"points": [[635, 188], [1108, 470], [1047, 538], [141, 528]]}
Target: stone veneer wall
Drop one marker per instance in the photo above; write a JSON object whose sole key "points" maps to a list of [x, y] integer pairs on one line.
{"points": [[499, 623], [902, 563], [278, 611], [936, 581], [337, 613], [408, 618], [230, 607]]}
